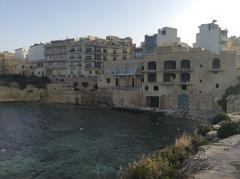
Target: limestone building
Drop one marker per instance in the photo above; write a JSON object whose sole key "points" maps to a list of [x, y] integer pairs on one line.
{"points": [[188, 79]]}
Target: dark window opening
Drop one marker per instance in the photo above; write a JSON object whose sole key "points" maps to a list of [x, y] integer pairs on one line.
{"points": [[146, 88], [184, 77], [184, 87], [216, 64], [185, 64], [108, 80], [169, 77], [116, 82], [170, 65], [152, 77], [217, 85], [152, 65], [201, 66], [200, 81], [155, 88], [142, 79], [133, 82]]}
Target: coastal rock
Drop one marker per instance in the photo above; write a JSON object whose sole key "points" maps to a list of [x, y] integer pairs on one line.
{"points": [[219, 160]]}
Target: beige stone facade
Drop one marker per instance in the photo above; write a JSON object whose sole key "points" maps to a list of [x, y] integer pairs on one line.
{"points": [[8, 63], [190, 80]]}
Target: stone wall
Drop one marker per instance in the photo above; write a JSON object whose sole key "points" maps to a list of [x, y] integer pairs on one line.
{"points": [[14, 94], [128, 98]]}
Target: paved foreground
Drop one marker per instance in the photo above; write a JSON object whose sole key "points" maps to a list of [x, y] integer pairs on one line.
{"points": [[220, 160]]}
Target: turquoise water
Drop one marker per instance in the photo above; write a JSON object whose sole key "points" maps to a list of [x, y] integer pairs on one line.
{"points": [[67, 142]]}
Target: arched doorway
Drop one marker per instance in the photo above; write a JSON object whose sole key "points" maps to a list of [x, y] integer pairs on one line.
{"points": [[183, 101]]}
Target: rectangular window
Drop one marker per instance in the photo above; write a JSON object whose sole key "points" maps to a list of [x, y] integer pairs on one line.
{"points": [[146, 88], [116, 82], [155, 88], [169, 77], [152, 77], [184, 87], [108, 80]]}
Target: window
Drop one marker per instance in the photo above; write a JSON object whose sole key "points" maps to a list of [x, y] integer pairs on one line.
{"points": [[108, 80], [185, 64], [88, 49], [201, 66], [146, 88], [152, 77], [169, 77], [170, 65], [200, 81], [184, 77], [133, 82], [116, 82], [142, 79], [88, 57], [98, 64], [217, 85], [155, 88], [184, 87], [151, 65], [216, 64]]}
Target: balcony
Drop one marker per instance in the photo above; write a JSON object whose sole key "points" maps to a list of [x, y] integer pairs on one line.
{"points": [[185, 83], [216, 70], [178, 70]]}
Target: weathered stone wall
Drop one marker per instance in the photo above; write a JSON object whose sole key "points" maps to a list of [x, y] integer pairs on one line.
{"points": [[129, 98], [14, 94]]}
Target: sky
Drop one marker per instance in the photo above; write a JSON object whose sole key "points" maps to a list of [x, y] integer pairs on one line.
{"points": [[25, 22]]}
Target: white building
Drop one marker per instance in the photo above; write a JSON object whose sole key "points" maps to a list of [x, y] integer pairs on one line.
{"points": [[211, 37], [36, 52], [167, 36], [21, 54]]}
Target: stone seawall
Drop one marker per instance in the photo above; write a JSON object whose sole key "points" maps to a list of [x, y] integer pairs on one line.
{"points": [[56, 93], [29, 94]]}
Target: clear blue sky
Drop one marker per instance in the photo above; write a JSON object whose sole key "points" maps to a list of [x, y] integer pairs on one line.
{"points": [[25, 22]]}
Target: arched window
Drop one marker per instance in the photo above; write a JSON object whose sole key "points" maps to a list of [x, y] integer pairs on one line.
{"points": [[185, 64], [151, 65], [216, 64], [185, 77], [170, 65]]}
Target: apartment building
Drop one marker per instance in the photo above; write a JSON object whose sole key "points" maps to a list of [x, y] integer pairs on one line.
{"points": [[166, 36], [84, 56], [211, 37]]}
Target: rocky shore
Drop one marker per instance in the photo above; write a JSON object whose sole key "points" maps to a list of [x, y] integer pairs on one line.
{"points": [[220, 160]]}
